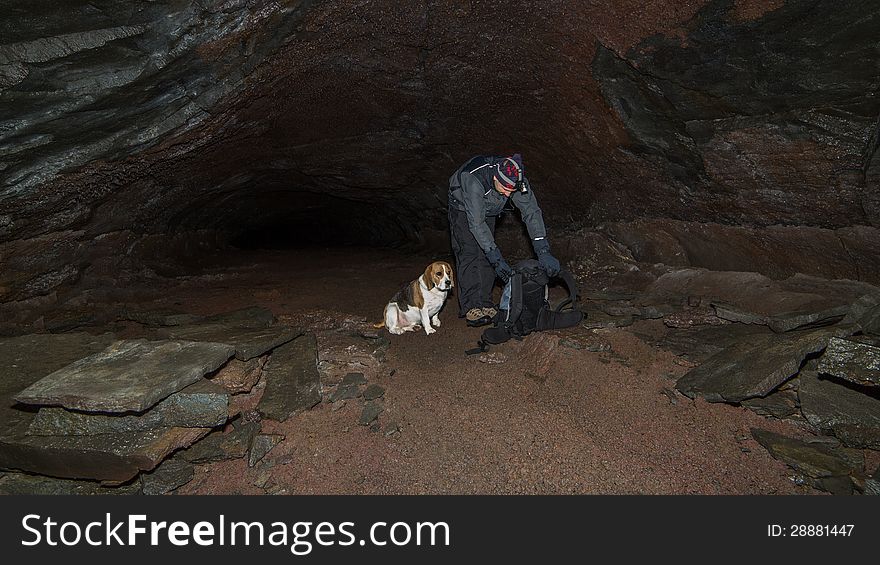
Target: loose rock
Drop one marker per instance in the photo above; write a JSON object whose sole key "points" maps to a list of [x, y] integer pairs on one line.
{"points": [[240, 376], [370, 412], [373, 392], [262, 445]]}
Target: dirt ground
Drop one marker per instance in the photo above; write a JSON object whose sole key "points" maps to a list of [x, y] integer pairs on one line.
{"points": [[600, 422]]}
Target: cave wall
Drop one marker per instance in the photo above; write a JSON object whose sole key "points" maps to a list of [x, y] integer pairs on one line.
{"points": [[122, 121]]}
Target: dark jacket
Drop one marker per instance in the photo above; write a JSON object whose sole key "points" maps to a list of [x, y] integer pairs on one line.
{"points": [[472, 190]]}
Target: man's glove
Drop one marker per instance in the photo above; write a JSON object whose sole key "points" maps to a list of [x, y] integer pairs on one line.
{"points": [[548, 262], [502, 269]]}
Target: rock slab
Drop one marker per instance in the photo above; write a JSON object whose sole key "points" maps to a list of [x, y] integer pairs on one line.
{"points": [[292, 380], [26, 359], [200, 405], [110, 458], [856, 362], [755, 366], [128, 376], [832, 404]]}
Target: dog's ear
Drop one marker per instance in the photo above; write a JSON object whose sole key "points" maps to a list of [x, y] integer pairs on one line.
{"points": [[428, 277], [448, 268]]}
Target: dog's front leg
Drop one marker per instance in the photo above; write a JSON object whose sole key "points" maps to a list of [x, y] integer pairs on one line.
{"points": [[426, 321]]}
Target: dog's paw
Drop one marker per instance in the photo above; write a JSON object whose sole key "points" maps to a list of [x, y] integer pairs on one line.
{"points": [[435, 321], [429, 330], [396, 331]]}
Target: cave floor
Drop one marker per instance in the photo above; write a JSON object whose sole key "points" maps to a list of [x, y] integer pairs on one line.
{"points": [[600, 422]]}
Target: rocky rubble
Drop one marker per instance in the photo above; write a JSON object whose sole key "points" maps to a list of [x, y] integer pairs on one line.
{"points": [[82, 413], [802, 349]]}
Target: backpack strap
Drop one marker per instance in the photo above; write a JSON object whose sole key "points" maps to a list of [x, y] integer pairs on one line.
{"points": [[516, 300], [573, 296], [481, 347]]}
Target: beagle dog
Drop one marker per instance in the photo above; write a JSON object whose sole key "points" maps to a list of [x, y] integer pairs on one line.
{"points": [[417, 304]]}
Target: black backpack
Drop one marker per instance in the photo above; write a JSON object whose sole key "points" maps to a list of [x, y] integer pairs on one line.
{"points": [[530, 311]]}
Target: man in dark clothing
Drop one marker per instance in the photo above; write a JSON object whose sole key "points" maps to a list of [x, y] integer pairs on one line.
{"points": [[478, 193]]}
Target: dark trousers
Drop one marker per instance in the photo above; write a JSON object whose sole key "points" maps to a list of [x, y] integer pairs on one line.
{"points": [[475, 277]]}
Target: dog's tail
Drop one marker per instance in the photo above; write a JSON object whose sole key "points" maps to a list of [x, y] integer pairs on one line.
{"points": [[379, 325]]}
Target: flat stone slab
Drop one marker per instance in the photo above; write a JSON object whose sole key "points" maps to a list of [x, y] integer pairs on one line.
{"points": [[163, 317], [292, 379], [755, 366], [26, 359], [353, 379], [248, 343], [833, 404], [110, 458], [200, 405], [128, 376], [856, 362], [813, 460]]}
